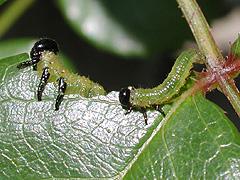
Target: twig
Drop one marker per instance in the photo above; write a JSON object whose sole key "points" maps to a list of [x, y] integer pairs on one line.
{"points": [[208, 47]]}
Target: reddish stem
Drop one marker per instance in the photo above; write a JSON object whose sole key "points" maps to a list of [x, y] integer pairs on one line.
{"points": [[209, 79]]}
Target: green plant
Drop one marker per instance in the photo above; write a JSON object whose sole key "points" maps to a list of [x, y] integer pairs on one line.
{"points": [[92, 138]]}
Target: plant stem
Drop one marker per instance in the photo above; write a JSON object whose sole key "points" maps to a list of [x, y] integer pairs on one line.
{"points": [[208, 47], [9, 16]]}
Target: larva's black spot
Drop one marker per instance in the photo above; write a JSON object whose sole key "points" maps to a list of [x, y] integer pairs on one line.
{"points": [[124, 98], [39, 47], [42, 45]]}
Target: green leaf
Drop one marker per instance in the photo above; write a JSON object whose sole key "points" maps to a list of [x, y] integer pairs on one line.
{"points": [[16, 46], [130, 27], [85, 138], [92, 138], [196, 142]]}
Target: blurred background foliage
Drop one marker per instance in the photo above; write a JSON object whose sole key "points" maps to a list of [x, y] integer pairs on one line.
{"points": [[116, 43]]}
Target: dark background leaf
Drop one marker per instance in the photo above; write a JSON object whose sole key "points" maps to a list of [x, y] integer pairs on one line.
{"points": [[130, 27], [2, 1]]}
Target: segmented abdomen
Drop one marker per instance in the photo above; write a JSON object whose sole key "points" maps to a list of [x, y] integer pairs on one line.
{"points": [[76, 84], [171, 85]]}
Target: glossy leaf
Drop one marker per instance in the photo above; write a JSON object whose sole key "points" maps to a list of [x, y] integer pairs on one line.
{"points": [[130, 27], [85, 138], [196, 142], [15, 46], [92, 138]]}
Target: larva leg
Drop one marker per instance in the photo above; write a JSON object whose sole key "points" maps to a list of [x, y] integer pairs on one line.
{"points": [[62, 85], [39, 47], [128, 110], [144, 112], [44, 56], [32, 62], [159, 109], [35, 67], [43, 82], [124, 97]]}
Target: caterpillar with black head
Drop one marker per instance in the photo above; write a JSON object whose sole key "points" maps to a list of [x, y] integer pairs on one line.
{"points": [[45, 59], [140, 99]]}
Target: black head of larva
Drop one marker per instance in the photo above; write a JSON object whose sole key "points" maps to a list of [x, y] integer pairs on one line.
{"points": [[42, 45], [124, 98]]}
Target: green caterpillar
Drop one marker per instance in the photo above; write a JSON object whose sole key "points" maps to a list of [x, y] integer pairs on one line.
{"points": [[131, 98], [45, 59]]}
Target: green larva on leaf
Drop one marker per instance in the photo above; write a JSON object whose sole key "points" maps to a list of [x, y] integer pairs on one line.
{"points": [[45, 59], [131, 98]]}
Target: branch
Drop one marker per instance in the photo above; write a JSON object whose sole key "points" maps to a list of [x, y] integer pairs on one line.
{"points": [[208, 47]]}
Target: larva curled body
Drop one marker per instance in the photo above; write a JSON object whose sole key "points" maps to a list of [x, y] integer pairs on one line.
{"points": [[45, 59], [170, 87], [131, 98]]}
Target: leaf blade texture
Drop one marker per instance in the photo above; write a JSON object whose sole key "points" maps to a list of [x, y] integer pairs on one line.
{"points": [[197, 142], [92, 138]]}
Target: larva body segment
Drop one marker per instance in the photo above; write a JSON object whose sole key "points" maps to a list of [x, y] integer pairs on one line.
{"points": [[45, 59], [170, 87], [76, 84]]}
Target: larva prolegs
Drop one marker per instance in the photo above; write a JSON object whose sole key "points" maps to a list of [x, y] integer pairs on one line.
{"points": [[43, 82], [159, 109], [144, 112], [62, 85]]}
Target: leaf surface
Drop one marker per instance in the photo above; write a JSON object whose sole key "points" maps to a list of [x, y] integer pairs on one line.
{"points": [[196, 142], [85, 138], [92, 138]]}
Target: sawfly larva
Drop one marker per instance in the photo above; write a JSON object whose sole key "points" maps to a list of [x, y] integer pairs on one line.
{"points": [[140, 99], [45, 59]]}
